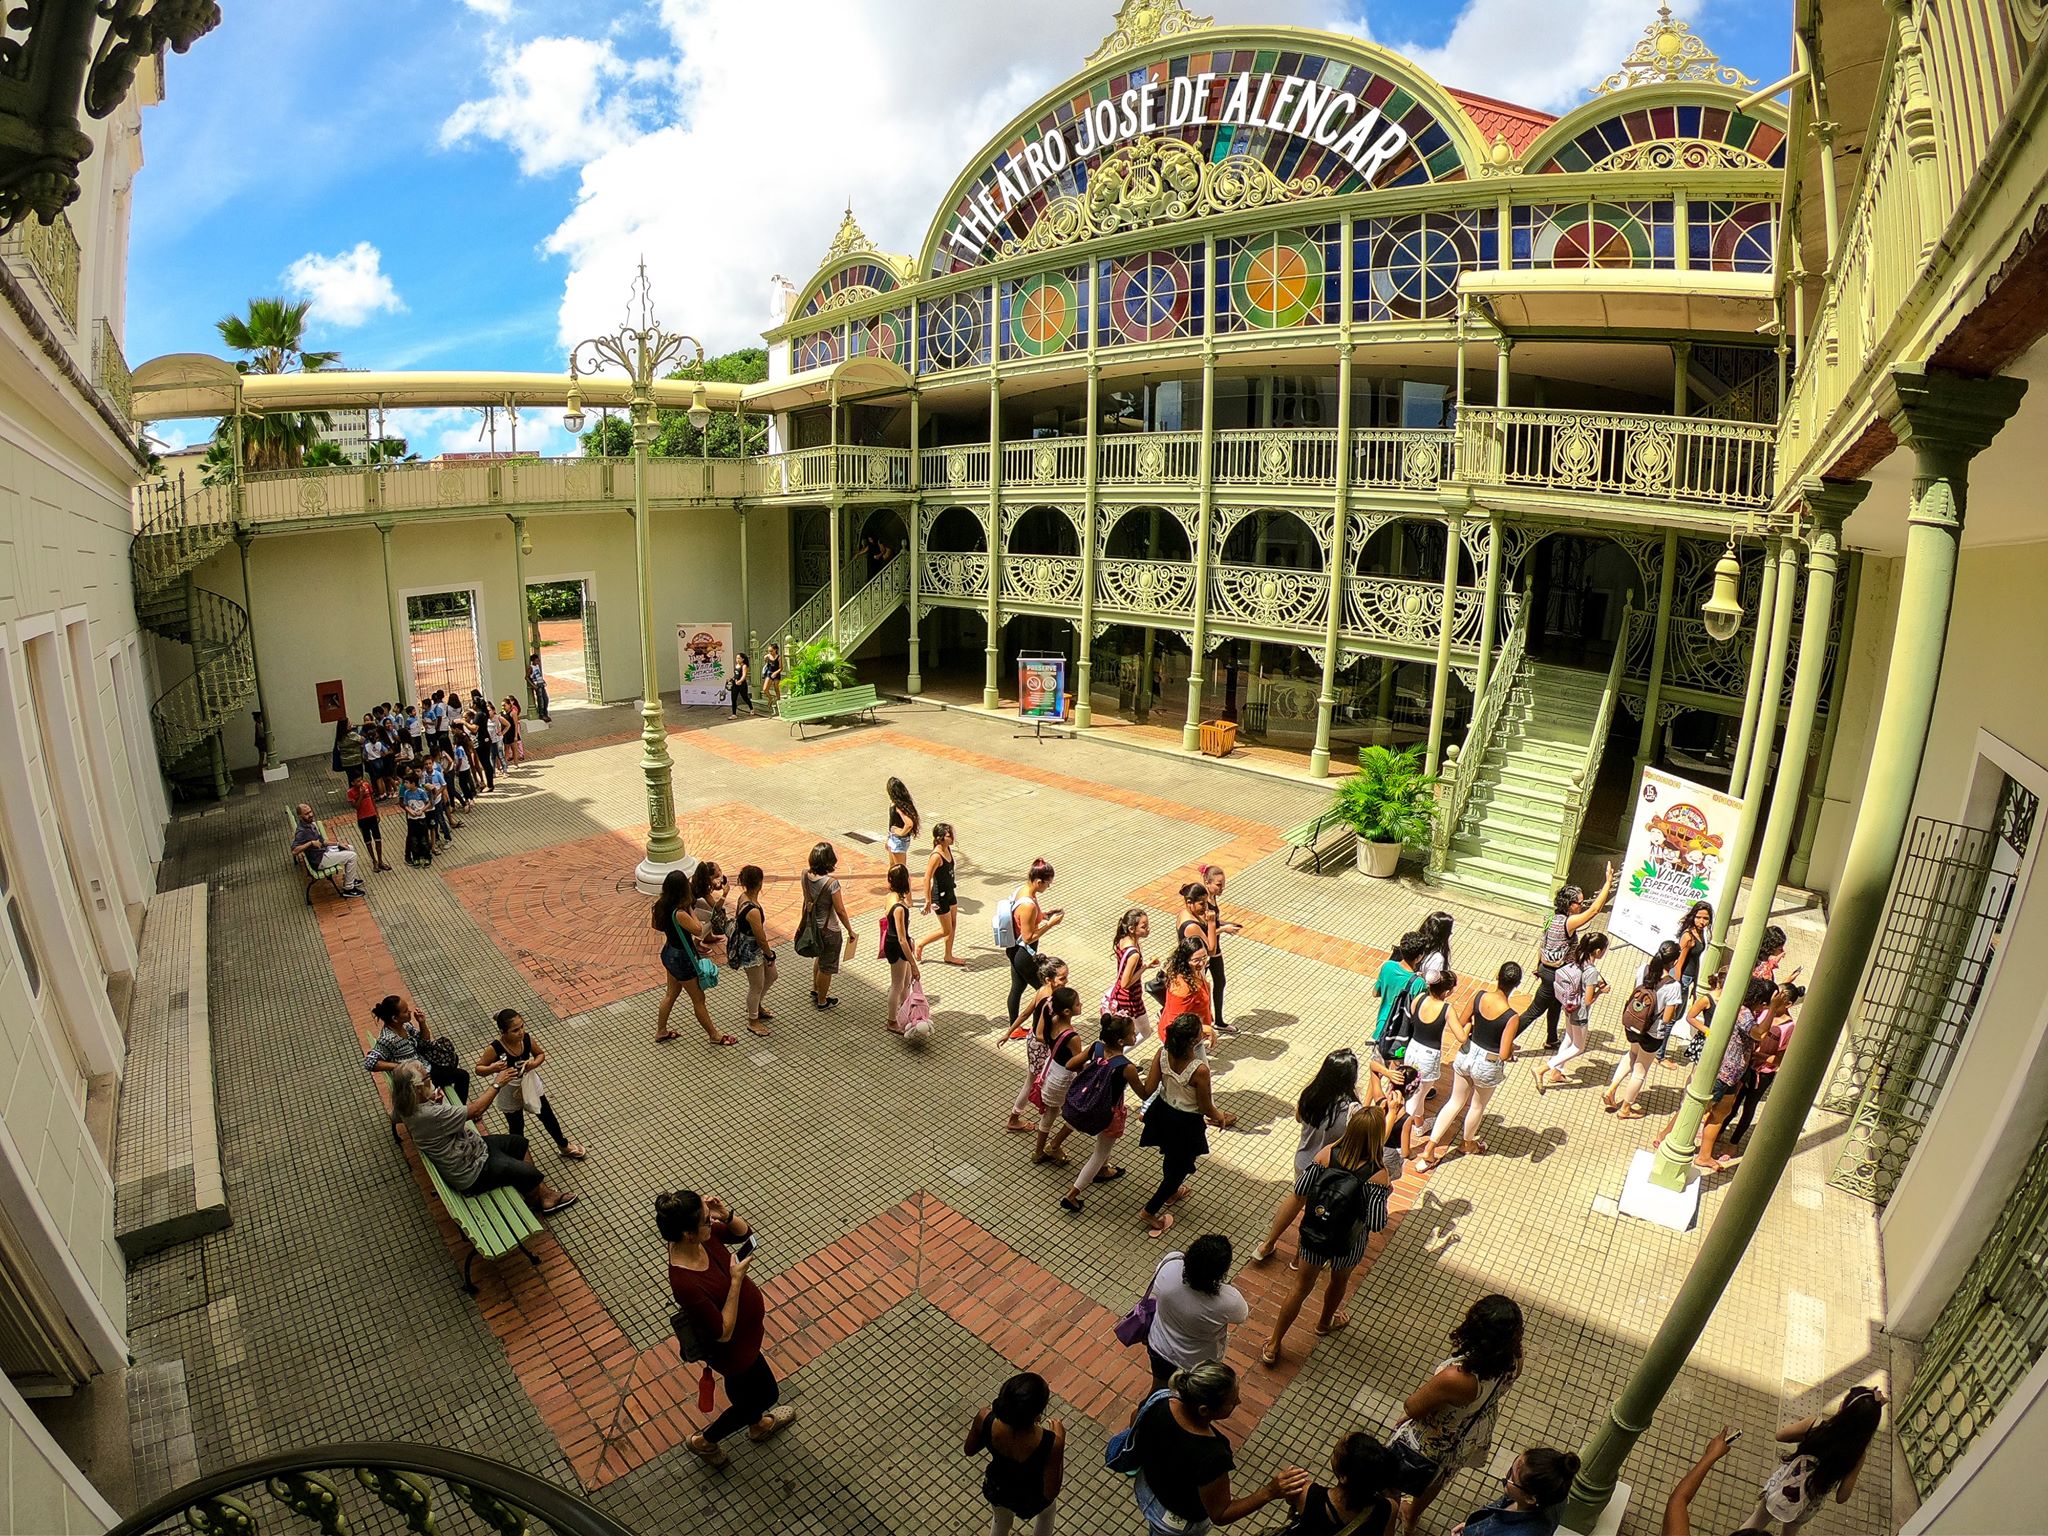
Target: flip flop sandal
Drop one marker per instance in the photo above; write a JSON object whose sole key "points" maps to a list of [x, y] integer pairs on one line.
{"points": [[560, 1205], [726, 1040], [1159, 1226], [574, 1153], [667, 1035], [1631, 1113], [1336, 1325]]}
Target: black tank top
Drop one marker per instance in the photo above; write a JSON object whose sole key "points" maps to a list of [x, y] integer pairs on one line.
{"points": [[1487, 1033], [1430, 1032], [1018, 1486]]}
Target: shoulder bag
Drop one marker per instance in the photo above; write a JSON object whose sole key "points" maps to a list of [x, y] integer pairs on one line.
{"points": [[1135, 1325]]}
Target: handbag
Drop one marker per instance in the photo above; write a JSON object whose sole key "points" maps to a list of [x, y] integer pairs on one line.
{"points": [[706, 969], [1135, 1325], [1121, 1454], [1037, 1094], [530, 1092], [1155, 987], [807, 941]]}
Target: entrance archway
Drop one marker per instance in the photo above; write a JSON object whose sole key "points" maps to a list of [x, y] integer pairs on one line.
{"points": [[1579, 585]]}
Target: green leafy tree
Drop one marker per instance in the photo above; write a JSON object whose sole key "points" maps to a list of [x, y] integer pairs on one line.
{"points": [[391, 450], [272, 339], [323, 455], [725, 438]]}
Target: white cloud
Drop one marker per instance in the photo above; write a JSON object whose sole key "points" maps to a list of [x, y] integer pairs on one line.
{"points": [[497, 10], [345, 289], [1538, 53], [556, 102], [433, 431]]}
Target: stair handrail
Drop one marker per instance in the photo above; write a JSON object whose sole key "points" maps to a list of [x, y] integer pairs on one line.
{"points": [[1580, 791], [176, 527], [867, 605], [1461, 770], [221, 680]]}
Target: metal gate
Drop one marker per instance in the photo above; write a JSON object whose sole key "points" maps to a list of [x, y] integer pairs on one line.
{"points": [[1987, 1338], [593, 687], [1948, 909]]}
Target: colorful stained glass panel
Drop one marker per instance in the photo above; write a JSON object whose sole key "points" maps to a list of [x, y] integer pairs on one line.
{"points": [[1042, 314], [1280, 279], [849, 285], [1152, 297], [954, 332], [1407, 268], [1732, 237]]}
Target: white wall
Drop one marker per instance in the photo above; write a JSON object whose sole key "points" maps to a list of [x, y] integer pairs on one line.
{"points": [[320, 610], [45, 1493]]}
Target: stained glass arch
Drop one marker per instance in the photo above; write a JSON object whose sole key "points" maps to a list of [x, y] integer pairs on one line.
{"points": [[1679, 129]]}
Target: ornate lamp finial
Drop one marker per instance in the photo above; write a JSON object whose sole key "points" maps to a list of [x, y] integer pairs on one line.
{"points": [[851, 239], [1141, 22], [1669, 54]]}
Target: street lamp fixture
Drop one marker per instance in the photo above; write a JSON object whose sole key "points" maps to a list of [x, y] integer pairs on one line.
{"points": [[644, 352], [1722, 613], [699, 414]]}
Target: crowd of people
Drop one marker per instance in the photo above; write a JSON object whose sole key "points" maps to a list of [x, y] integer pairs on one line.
{"points": [[1415, 1092]]}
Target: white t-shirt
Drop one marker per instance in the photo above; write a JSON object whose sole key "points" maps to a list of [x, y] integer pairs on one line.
{"points": [[1192, 1326], [1669, 996]]}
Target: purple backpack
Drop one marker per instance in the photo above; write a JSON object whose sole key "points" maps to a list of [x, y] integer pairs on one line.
{"points": [[1097, 1090]]}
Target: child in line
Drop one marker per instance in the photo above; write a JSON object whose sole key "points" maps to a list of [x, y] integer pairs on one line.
{"points": [[1026, 1458]]}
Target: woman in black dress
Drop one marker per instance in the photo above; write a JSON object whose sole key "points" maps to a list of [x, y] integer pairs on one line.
{"points": [[1026, 1460], [1361, 1487], [941, 891]]}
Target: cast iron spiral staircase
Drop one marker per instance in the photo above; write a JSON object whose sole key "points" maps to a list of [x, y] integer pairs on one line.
{"points": [[178, 529]]}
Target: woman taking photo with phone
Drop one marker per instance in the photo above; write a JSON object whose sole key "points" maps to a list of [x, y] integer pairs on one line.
{"points": [[1030, 920], [725, 1311]]}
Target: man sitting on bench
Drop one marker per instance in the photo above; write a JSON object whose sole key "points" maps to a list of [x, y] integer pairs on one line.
{"points": [[323, 857], [446, 1135]]}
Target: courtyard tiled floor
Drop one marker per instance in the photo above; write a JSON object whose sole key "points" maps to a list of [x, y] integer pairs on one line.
{"points": [[911, 1257]]}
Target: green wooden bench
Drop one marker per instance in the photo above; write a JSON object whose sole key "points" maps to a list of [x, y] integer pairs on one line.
{"points": [[314, 876], [1303, 839], [852, 703], [494, 1222]]}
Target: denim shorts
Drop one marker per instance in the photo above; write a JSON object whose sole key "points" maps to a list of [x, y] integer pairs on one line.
{"points": [[898, 844], [1159, 1520], [1484, 1070]]}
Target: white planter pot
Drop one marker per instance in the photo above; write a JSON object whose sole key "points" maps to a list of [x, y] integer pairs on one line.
{"points": [[1379, 860]]}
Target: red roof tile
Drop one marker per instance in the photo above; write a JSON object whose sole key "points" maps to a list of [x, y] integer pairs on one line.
{"points": [[1518, 125]]}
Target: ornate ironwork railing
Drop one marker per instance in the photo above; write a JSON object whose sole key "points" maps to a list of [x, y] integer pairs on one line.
{"points": [[862, 614], [1052, 580], [955, 576], [1461, 769], [1268, 597], [824, 471], [1402, 458], [1723, 464], [1150, 589], [1404, 611], [961, 467], [1047, 462], [223, 675], [372, 1488], [811, 615], [110, 370], [1152, 458], [178, 526], [50, 253], [1579, 793], [1276, 457]]}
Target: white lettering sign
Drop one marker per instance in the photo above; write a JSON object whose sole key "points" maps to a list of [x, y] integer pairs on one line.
{"points": [[1287, 104]]}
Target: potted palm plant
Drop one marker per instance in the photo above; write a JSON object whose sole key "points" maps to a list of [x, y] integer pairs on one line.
{"points": [[1390, 803]]}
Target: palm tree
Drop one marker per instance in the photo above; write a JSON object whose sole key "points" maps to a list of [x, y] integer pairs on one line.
{"points": [[323, 455], [272, 337]]}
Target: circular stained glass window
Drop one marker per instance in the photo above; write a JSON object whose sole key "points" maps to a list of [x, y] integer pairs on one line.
{"points": [[1043, 314], [1149, 296], [882, 339], [1742, 241], [953, 335], [1415, 267], [1607, 235], [1277, 281]]}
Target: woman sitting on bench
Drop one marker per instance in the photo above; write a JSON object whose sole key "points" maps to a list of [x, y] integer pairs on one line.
{"points": [[469, 1163]]}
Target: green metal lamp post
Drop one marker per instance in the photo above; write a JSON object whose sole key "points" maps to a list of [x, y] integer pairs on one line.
{"points": [[642, 352]]}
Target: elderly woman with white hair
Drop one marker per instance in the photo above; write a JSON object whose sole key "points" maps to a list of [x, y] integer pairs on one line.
{"points": [[446, 1136]]}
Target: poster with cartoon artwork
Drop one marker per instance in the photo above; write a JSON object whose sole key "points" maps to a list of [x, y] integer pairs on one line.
{"points": [[705, 654], [1678, 834]]}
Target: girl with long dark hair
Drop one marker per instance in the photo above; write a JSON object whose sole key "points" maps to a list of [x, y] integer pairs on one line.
{"points": [[1579, 985], [1187, 985], [684, 935], [903, 823], [1827, 1456], [1694, 931], [1345, 1190], [1571, 912], [1032, 920], [1212, 881], [1436, 940], [898, 948], [941, 892], [1447, 1422], [1480, 1068], [1322, 1111], [1177, 1123], [1361, 1490], [1033, 1024], [1646, 1020], [1126, 994]]}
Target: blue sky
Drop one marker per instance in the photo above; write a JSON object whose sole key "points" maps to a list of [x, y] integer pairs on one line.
{"points": [[466, 183]]}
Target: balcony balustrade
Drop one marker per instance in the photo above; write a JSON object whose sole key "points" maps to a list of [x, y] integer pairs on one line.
{"points": [[1152, 458], [828, 471], [1145, 589], [49, 254], [1661, 459], [110, 370], [1401, 611], [1262, 597], [955, 578], [1048, 581]]}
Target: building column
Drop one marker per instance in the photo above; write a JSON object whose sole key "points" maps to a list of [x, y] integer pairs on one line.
{"points": [[1205, 524], [1489, 621], [1340, 565], [1653, 690], [1945, 421], [529, 627], [833, 532], [1753, 685], [1091, 513], [243, 539], [1440, 685], [1681, 365], [391, 608], [1504, 345], [746, 586], [991, 693], [1830, 506], [914, 683], [1816, 797], [1786, 557]]}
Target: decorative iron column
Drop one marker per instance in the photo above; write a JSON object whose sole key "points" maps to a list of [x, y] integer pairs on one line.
{"points": [[1816, 798], [1786, 557], [391, 608], [746, 585], [243, 539], [1340, 563], [837, 529], [1091, 511], [1489, 620], [1945, 420], [1505, 344], [914, 683], [1830, 505], [1653, 690], [1439, 688], [1753, 685], [1198, 646], [529, 627], [991, 694]]}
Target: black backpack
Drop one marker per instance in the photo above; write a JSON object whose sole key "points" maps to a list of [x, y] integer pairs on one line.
{"points": [[1334, 1211], [1400, 1031]]}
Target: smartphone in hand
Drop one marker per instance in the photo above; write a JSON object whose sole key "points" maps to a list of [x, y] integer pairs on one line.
{"points": [[746, 1247]]}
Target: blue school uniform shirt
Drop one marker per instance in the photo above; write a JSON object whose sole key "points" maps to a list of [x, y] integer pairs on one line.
{"points": [[1497, 1519]]}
